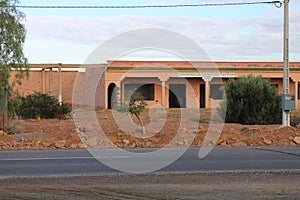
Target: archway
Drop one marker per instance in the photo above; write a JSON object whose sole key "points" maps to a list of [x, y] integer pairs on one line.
{"points": [[110, 92]]}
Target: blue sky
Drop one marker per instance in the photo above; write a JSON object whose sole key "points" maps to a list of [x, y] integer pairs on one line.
{"points": [[224, 11], [227, 33]]}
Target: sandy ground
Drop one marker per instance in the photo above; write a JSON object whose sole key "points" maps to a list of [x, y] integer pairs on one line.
{"points": [[172, 128], [235, 185], [61, 134]]}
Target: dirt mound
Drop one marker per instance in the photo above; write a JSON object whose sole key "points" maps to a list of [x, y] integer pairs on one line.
{"points": [[176, 131]]}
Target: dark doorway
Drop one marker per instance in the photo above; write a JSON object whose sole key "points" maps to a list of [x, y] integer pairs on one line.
{"points": [[202, 95], [110, 94], [177, 96]]}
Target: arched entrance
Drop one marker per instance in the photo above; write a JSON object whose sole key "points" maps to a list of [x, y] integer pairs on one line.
{"points": [[110, 92]]}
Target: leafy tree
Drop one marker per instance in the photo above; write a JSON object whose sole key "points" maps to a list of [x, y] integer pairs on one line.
{"points": [[12, 38], [136, 106], [251, 100]]}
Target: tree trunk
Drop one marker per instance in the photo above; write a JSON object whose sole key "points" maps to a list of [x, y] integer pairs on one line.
{"points": [[141, 122]]}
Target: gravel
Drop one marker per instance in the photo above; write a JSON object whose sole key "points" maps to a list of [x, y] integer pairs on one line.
{"points": [[210, 185]]}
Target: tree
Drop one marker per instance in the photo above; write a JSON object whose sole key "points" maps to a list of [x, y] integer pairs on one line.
{"points": [[136, 106], [12, 38], [251, 100]]}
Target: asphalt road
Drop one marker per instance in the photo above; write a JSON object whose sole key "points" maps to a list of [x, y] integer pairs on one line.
{"points": [[80, 162]]}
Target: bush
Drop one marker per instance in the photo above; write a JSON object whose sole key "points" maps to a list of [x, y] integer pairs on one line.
{"points": [[251, 100], [39, 105], [295, 118]]}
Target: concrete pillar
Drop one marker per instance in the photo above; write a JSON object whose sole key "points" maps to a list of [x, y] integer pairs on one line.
{"points": [[164, 101], [59, 85], [207, 94], [50, 81], [43, 81], [296, 94], [163, 94], [207, 80]]}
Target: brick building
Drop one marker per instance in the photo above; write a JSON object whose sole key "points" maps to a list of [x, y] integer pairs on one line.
{"points": [[162, 83]]}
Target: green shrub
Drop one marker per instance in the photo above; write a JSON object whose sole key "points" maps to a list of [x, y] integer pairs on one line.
{"points": [[136, 106], [243, 129], [199, 120], [39, 105], [251, 100], [295, 118]]}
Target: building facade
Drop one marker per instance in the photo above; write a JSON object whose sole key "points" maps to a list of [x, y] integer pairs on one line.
{"points": [[170, 84]]}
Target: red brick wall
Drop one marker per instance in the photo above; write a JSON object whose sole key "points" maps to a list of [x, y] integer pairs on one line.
{"points": [[34, 83]]}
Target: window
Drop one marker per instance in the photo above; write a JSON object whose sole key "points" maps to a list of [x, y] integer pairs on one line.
{"points": [[147, 90], [216, 91]]}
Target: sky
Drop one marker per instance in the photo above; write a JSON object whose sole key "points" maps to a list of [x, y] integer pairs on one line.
{"points": [[225, 33]]}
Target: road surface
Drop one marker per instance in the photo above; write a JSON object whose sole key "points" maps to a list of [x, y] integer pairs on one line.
{"points": [[80, 162], [226, 173]]}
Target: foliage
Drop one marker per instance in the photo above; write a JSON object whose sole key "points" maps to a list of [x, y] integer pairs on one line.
{"points": [[199, 120], [295, 118], [243, 129], [136, 103], [136, 106], [116, 102], [251, 100], [12, 38], [14, 106], [39, 105]]}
